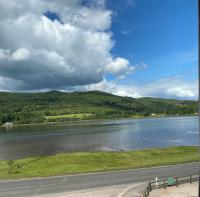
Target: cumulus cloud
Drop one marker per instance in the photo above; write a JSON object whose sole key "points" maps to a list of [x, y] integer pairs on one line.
{"points": [[72, 51], [119, 66], [39, 53], [114, 88], [21, 54], [173, 87]]}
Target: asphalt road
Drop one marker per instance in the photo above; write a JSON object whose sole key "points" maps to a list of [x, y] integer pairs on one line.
{"points": [[52, 185]]}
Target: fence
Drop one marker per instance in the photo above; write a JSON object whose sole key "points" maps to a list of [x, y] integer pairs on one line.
{"points": [[165, 183]]}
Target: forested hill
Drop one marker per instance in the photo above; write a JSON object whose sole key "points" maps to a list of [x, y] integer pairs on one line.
{"points": [[22, 108]]}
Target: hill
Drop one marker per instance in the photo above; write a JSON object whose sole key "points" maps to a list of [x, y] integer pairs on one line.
{"points": [[23, 108]]}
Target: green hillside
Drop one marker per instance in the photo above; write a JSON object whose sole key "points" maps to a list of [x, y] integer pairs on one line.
{"points": [[23, 108]]}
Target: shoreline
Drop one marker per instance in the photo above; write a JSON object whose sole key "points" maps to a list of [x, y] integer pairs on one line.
{"points": [[98, 119]]}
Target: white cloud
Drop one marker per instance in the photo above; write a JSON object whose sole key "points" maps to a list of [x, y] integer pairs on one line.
{"points": [[4, 54], [126, 32], [21, 54], [43, 54], [141, 65], [37, 53], [172, 87], [166, 88], [182, 91], [119, 66], [114, 88]]}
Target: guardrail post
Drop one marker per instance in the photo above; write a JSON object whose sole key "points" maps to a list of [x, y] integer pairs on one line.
{"points": [[176, 182], [150, 186], [148, 190], [156, 182], [165, 184], [190, 179]]}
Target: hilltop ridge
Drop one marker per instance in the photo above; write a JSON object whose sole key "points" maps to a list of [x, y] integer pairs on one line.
{"points": [[54, 105]]}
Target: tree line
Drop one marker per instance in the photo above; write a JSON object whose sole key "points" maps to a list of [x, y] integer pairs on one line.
{"points": [[24, 108]]}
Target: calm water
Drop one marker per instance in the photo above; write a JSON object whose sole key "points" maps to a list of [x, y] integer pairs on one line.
{"points": [[109, 135]]}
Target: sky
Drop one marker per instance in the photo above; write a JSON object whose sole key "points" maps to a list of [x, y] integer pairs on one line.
{"points": [[134, 48]]}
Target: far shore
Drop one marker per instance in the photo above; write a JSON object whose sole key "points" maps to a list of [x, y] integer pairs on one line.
{"points": [[87, 120]]}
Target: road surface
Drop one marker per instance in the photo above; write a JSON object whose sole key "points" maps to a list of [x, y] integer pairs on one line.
{"points": [[59, 184]]}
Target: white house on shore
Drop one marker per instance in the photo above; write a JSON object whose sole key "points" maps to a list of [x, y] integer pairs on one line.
{"points": [[8, 125]]}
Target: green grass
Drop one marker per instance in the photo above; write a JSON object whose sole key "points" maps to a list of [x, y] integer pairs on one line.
{"points": [[73, 163], [76, 116]]}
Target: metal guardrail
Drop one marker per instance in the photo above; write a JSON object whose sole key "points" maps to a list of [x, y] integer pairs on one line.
{"points": [[164, 183]]}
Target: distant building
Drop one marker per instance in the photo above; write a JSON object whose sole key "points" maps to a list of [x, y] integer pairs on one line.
{"points": [[8, 124], [153, 114]]}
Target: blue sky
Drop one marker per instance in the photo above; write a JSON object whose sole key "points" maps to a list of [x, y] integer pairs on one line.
{"points": [[162, 34], [133, 48]]}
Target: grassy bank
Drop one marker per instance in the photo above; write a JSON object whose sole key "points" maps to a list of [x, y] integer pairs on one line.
{"points": [[72, 163]]}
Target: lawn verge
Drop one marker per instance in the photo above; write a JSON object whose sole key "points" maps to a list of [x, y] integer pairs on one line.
{"points": [[84, 162]]}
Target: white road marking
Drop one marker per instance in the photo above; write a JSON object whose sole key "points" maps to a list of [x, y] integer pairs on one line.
{"points": [[29, 186], [127, 189]]}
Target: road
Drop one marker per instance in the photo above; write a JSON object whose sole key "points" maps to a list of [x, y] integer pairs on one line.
{"points": [[52, 185]]}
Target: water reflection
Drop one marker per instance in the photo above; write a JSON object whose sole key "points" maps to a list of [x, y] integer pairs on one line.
{"points": [[108, 135]]}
